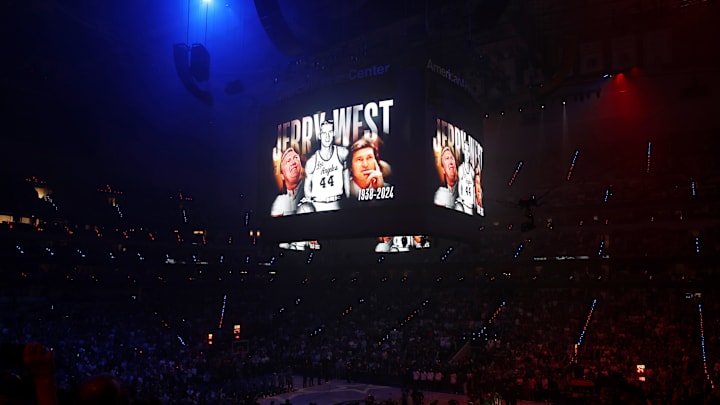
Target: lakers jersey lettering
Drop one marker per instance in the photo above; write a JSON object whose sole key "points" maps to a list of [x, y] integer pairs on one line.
{"points": [[466, 185], [327, 182]]}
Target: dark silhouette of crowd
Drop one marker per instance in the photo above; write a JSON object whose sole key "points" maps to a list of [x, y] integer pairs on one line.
{"points": [[146, 339]]}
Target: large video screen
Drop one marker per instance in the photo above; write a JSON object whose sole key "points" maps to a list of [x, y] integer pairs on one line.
{"points": [[458, 158], [300, 245], [401, 243], [355, 160]]}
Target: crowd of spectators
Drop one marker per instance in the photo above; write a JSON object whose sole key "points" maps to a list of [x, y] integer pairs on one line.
{"points": [[421, 330]]}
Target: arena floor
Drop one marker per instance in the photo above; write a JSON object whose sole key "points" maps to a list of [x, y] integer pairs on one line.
{"points": [[340, 392]]}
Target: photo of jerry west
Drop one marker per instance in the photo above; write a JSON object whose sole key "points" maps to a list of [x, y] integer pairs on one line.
{"points": [[446, 194], [478, 192], [466, 181], [326, 172], [293, 179], [367, 173], [292, 199]]}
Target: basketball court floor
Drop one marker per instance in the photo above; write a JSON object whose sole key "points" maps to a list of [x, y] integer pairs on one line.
{"points": [[339, 392]]}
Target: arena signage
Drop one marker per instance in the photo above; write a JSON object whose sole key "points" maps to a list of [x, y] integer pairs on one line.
{"points": [[446, 73], [376, 70]]}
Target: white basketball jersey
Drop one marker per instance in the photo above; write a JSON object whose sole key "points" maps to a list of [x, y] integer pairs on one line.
{"points": [[466, 185], [327, 179]]}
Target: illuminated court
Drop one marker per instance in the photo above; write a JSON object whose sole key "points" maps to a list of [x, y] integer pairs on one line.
{"points": [[339, 392]]}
